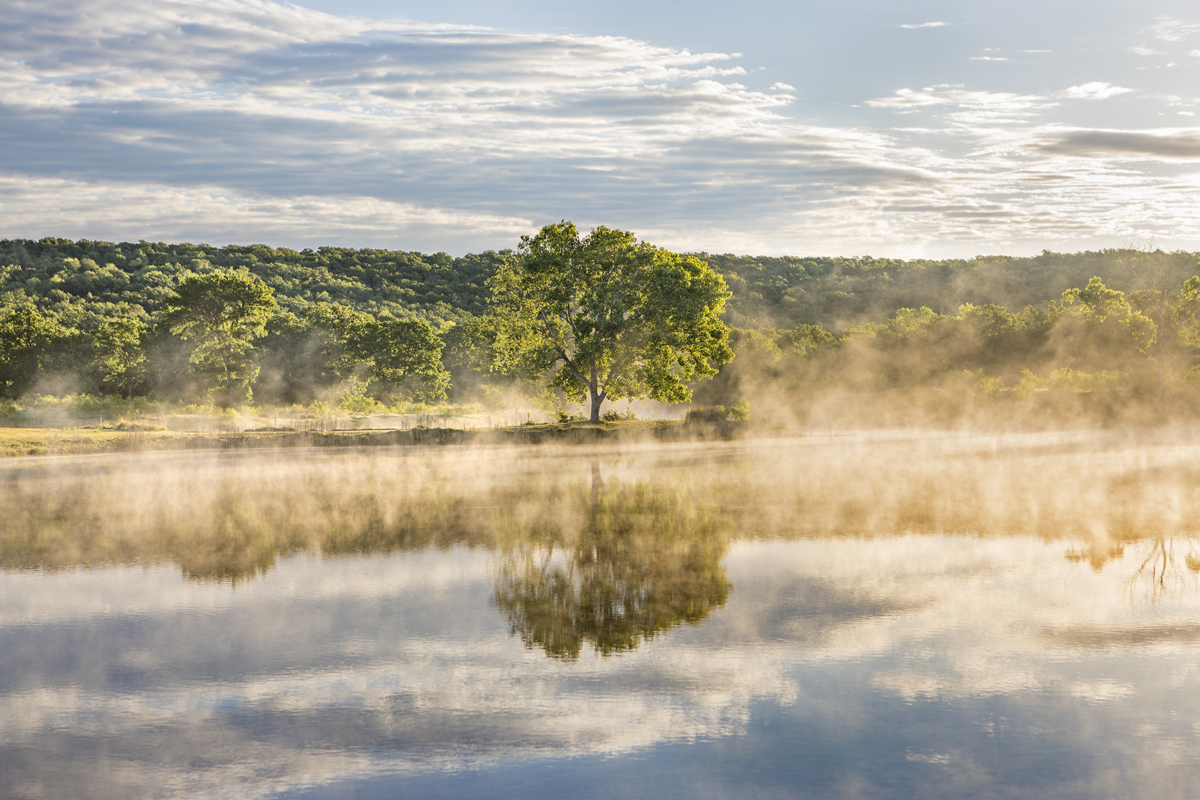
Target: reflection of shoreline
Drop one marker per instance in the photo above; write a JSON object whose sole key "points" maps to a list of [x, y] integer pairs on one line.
{"points": [[230, 516]]}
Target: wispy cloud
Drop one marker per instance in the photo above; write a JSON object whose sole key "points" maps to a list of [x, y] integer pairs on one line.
{"points": [[1096, 90], [911, 26], [957, 96], [247, 120], [1171, 144], [1170, 29]]}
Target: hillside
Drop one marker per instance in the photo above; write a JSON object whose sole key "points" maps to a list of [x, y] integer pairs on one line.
{"points": [[83, 283]]}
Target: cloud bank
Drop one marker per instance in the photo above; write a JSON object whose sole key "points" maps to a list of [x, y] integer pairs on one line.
{"points": [[248, 120]]}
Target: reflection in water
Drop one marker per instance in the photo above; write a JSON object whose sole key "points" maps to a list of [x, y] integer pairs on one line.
{"points": [[229, 516], [643, 561], [1169, 568], [1161, 567], [344, 622]]}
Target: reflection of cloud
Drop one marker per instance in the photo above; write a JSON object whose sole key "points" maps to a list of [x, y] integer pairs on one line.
{"points": [[1100, 692], [1105, 638], [357, 655]]}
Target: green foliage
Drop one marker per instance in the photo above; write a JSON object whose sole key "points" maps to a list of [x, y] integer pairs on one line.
{"points": [[839, 292], [312, 355], [406, 359], [121, 354], [608, 316], [85, 283], [468, 356], [85, 318], [27, 348], [222, 313], [718, 415]]}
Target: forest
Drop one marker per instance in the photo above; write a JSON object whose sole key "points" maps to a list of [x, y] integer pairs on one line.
{"points": [[1104, 336]]}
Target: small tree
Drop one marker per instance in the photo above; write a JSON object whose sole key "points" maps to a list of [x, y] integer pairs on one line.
{"points": [[27, 344], [611, 317], [406, 354], [120, 353], [223, 312]]}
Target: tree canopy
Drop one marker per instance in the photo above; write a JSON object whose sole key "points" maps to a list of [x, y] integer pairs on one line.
{"points": [[223, 312], [608, 316]]}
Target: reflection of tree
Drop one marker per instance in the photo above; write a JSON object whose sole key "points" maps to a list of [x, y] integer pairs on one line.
{"points": [[1162, 572], [1169, 566], [642, 561]]}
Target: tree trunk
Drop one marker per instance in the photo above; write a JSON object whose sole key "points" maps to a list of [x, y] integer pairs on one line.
{"points": [[596, 401], [597, 397]]}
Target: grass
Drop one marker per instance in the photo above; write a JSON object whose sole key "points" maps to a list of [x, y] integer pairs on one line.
{"points": [[73, 441], [16, 442]]}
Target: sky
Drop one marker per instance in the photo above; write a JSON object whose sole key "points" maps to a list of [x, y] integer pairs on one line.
{"points": [[919, 129]]}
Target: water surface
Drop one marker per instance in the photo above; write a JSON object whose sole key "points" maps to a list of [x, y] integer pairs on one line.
{"points": [[884, 616]]}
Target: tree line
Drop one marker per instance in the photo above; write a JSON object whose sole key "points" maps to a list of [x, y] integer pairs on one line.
{"points": [[1095, 354], [593, 318], [223, 336], [83, 284]]}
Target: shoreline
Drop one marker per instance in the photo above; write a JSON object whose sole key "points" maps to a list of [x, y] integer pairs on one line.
{"points": [[37, 442]]}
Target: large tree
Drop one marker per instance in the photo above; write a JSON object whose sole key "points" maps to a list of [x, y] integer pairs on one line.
{"points": [[608, 316], [223, 312]]}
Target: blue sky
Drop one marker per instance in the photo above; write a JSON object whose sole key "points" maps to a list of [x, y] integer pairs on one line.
{"points": [[932, 129]]}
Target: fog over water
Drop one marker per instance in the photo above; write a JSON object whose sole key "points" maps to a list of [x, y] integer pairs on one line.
{"points": [[885, 615]]}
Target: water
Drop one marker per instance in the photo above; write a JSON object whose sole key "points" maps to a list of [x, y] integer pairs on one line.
{"points": [[867, 617]]}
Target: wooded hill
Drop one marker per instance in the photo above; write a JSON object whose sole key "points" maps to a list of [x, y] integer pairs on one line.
{"points": [[1104, 336], [82, 284]]}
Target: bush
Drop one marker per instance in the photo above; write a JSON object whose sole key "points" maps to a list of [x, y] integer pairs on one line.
{"points": [[718, 415]]}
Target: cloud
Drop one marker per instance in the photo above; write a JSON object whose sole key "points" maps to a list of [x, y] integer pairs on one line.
{"points": [[917, 26], [1169, 29], [215, 214], [956, 96], [247, 120], [988, 58], [1096, 90], [1173, 144]]}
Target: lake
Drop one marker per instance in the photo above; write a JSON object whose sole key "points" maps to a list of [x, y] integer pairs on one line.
{"points": [[877, 615]]}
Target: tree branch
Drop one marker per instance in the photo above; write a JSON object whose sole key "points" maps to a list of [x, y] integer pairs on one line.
{"points": [[562, 352]]}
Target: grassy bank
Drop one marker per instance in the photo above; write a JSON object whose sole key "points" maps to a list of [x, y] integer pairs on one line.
{"points": [[16, 442]]}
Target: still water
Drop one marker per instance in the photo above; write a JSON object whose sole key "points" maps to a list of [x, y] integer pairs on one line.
{"points": [[883, 616]]}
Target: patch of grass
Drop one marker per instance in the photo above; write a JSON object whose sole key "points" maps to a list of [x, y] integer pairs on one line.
{"points": [[61, 441]]}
